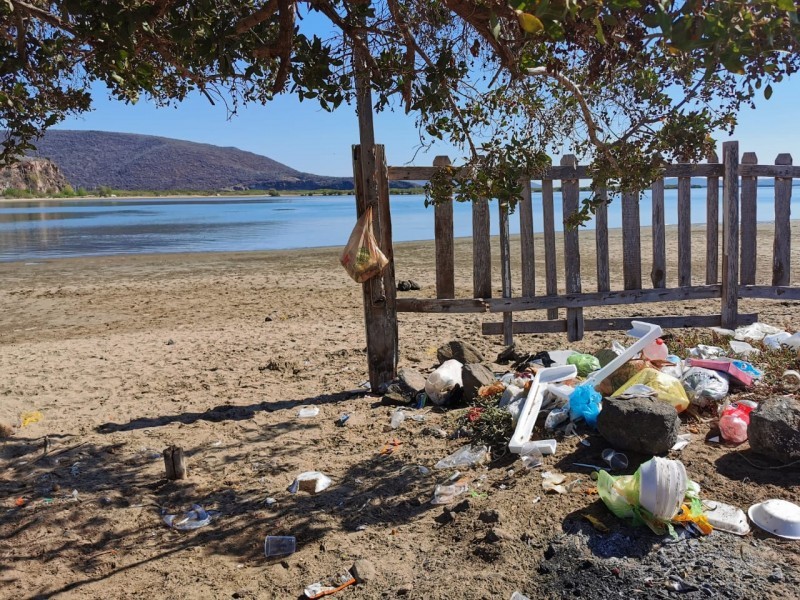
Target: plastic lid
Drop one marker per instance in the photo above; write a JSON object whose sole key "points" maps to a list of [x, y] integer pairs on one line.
{"points": [[659, 342]]}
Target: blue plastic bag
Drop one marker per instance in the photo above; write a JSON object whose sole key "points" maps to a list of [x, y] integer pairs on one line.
{"points": [[584, 403]]}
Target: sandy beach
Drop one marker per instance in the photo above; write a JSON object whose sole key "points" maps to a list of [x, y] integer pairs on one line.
{"points": [[124, 356]]}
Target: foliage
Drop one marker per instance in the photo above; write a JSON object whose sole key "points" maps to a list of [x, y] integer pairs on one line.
{"points": [[630, 84], [13, 192], [487, 424]]}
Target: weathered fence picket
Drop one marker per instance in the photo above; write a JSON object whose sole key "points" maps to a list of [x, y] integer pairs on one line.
{"points": [[724, 285]]}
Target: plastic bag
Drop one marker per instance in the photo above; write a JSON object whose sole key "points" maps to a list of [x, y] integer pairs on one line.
{"points": [[362, 257], [704, 386], [584, 403], [669, 389], [621, 375], [466, 456], [586, 363], [443, 380]]}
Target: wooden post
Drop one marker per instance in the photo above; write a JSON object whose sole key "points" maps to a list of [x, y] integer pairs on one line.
{"points": [[730, 235], [380, 292], [782, 244], [684, 231], [659, 273], [481, 250], [749, 226], [443, 234], [175, 463], [527, 247], [372, 189], [601, 244], [631, 242], [570, 192], [548, 216], [505, 271], [712, 225]]}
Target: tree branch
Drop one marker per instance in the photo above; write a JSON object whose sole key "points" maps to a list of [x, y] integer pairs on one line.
{"points": [[43, 15], [576, 92], [262, 14]]}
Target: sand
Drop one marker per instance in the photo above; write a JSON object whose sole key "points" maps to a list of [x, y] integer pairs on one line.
{"points": [[216, 353]]}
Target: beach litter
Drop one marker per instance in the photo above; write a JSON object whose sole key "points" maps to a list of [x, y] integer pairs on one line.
{"points": [[30, 417], [279, 545], [330, 586], [312, 482], [466, 456], [308, 412], [778, 517], [195, 518]]}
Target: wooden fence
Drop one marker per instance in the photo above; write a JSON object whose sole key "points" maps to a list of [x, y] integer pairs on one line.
{"points": [[736, 280]]}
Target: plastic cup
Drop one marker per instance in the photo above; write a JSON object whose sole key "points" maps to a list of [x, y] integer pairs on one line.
{"points": [[616, 460], [279, 545]]}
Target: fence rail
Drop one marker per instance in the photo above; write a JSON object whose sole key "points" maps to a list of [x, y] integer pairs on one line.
{"points": [[738, 248]]}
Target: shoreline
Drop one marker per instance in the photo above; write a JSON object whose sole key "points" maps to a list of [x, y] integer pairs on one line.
{"points": [[586, 237]]}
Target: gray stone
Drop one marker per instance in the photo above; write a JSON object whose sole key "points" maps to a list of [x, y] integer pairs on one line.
{"points": [[363, 570], [473, 377], [463, 352], [644, 425], [497, 534], [489, 516], [407, 285], [412, 380], [774, 429]]}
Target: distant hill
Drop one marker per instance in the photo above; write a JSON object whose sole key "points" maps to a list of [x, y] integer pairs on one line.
{"points": [[129, 161]]}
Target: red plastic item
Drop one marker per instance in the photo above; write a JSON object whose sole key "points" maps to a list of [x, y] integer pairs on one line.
{"points": [[734, 421]]}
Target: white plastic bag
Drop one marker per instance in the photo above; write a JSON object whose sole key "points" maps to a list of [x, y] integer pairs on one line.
{"points": [[442, 381], [705, 385]]}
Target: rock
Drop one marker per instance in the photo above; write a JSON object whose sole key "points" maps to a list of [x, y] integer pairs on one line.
{"points": [[774, 429], [496, 534], [363, 570], [407, 285], [473, 377], [489, 516], [412, 380], [643, 425], [508, 355], [394, 399], [445, 518], [437, 432], [776, 576], [267, 319], [463, 352]]}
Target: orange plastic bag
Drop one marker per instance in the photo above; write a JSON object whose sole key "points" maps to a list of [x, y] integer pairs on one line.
{"points": [[362, 258]]}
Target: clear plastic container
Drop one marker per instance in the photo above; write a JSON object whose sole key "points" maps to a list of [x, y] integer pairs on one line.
{"points": [[656, 350], [279, 545]]}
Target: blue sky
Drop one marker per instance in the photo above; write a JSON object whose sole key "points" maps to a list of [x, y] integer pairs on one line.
{"points": [[304, 137]]}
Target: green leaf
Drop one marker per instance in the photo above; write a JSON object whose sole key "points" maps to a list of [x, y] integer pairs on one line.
{"points": [[599, 31], [529, 23], [768, 92]]}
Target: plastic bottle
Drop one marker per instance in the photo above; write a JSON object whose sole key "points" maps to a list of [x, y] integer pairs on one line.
{"points": [[398, 417], [657, 350], [734, 420]]}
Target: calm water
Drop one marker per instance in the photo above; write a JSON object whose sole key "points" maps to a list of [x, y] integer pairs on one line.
{"points": [[41, 230]]}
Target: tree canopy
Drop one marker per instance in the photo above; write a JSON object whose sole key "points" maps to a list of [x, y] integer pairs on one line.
{"points": [[628, 83]]}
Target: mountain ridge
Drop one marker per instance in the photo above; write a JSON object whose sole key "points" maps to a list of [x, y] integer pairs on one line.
{"points": [[132, 161]]}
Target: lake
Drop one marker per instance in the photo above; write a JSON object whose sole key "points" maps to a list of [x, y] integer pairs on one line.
{"points": [[36, 230]]}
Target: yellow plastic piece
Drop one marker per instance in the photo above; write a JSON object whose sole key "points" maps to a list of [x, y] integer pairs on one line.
{"points": [[668, 388]]}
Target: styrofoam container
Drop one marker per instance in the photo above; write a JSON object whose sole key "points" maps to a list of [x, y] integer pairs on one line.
{"points": [[727, 518], [662, 487], [779, 517]]}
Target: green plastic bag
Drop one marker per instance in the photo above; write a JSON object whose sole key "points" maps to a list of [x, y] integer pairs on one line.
{"points": [[586, 363]]}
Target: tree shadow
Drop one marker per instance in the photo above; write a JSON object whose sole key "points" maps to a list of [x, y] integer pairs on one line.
{"points": [[227, 412], [110, 498], [747, 465]]}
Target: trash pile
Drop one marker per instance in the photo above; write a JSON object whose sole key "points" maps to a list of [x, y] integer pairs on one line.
{"points": [[632, 396]]}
